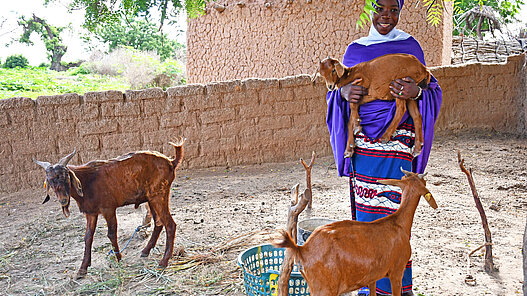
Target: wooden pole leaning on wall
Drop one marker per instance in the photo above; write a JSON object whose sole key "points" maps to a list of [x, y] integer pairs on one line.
{"points": [[295, 208], [489, 262]]}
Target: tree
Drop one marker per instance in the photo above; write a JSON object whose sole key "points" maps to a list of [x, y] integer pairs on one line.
{"points": [[475, 17], [141, 35], [100, 13], [49, 34]]}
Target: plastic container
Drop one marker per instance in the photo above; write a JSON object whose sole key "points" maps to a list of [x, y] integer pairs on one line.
{"points": [[261, 267], [306, 227]]}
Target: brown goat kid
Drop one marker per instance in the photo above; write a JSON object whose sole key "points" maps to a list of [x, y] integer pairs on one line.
{"points": [[346, 255], [376, 75], [101, 186]]}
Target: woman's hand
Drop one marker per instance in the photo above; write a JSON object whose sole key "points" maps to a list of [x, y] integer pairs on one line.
{"points": [[352, 92], [404, 88]]}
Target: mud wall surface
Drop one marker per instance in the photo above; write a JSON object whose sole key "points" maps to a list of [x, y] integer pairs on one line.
{"points": [[227, 123], [270, 38]]}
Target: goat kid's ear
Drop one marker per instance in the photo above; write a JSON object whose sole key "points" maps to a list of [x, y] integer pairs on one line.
{"points": [[339, 68], [46, 199], [76, 183]]}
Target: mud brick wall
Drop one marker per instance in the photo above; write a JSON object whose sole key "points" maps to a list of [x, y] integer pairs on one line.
{"points": [[228, 123], [272, 38]]}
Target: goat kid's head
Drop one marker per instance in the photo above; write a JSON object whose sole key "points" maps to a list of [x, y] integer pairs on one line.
{"points": [[331, 70], [61, 179], [418, 183]]}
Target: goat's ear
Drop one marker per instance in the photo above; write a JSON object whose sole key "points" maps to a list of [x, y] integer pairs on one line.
{"points": [[339, 68], [76, 183], [393, 182], [430, 199], [314, 77]]}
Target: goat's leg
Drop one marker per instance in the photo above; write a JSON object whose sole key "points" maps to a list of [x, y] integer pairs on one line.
{"points": [[91, 224], [413, 109], [170, 227], [155, 233], [399, 112], [111, 220], [354, 128], [373, 288], [396, 282]]}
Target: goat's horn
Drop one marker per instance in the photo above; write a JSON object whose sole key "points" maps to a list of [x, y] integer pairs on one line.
{"points": [[43, 164], [64, 161], [422, 175], [406, 173]]}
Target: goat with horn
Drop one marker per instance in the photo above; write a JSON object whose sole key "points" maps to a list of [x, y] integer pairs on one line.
{"points": [[101, 186]]}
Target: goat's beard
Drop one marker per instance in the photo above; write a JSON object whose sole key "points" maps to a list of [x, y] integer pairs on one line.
{"points": [[66, 210]]}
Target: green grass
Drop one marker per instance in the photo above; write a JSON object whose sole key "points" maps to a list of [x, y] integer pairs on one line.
{"points": [[33, 82]]}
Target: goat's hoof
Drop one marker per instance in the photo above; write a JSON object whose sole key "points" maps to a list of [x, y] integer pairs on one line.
{"points": [[81, 273], [163, 264], [143, 255], [416, 150]]}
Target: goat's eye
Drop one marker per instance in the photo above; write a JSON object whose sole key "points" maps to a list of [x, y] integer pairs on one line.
{"points": [[333, 71]]}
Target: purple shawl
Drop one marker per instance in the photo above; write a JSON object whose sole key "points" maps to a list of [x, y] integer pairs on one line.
{"points": [[377, 115]]}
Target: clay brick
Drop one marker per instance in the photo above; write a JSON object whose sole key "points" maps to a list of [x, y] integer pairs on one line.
{"points": [[106, 96], [291, 108], [275, 122], [131, 124], [186, 90], [155, 107], [254, 111], [60, 100], [294, 81], [121, 142], [179, 119], [217, 115], [201, 102], [145, 94], [104, 126], [118, 109], [16, 103]]}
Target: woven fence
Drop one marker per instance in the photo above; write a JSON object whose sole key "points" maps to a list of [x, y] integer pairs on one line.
{"points": [[471, 50]]}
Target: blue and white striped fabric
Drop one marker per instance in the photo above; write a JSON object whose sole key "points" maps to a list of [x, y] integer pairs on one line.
{"points": [[370, 200]]}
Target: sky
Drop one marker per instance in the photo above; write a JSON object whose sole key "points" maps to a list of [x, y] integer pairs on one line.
{"points": [[57, 14]]}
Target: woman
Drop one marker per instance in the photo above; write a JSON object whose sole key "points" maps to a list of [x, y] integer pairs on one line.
{"points": [[373, 160]]}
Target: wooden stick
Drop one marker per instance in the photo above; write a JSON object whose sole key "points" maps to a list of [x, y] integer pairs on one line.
{"points": [[308, 177], [295, 208], [524, 251], [489, 263]]}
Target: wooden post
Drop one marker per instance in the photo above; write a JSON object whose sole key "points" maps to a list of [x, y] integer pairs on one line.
{"points": [[524, 251], [489, 263], [295, 208]]}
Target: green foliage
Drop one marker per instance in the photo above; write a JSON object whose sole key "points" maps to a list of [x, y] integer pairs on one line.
{"points": [[364, 17], [141, 35], [507, 9], [32, 82], [102, 13], [16, 60]]}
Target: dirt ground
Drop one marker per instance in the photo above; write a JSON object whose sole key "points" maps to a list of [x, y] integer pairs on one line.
{"points": [[222, 211]]}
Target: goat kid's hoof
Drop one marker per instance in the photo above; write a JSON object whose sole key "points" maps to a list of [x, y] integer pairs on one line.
{"points": [[144, 255], [348, 154], [385, 140], [357, 130]]}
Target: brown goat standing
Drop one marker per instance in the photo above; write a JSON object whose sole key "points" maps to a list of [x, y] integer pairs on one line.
{"points": [[101, 186], [343, 256], [376, 75]]}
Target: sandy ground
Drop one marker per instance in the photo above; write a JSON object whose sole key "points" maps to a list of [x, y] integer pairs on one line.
{"points": [[222, 211]]}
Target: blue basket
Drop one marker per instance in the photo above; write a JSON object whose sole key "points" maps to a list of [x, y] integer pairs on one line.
{"points": [[261, 265]]}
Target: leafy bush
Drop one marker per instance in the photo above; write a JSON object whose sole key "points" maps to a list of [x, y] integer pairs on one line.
{"points": [[16, 60], [140, 68], [44, 65]]}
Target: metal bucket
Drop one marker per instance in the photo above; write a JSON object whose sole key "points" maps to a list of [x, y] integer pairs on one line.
{"points": [[306, 227]]}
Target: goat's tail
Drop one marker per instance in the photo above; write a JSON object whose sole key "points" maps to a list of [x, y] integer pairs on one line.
{"points": [[285, 241], [178, 145]]}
